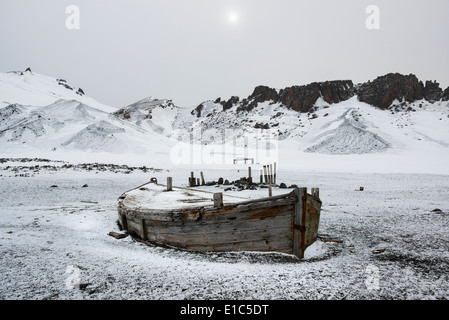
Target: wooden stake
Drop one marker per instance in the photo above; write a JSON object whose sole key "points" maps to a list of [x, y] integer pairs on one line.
{"points": [[250, 179], [270, 178], [169, 184], [265, 174], [203, 182], [261, 176], [271, 173], [275, 172], [192, 180]]}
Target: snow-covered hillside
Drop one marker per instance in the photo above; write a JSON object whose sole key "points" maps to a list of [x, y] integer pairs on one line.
{"points": [[29, 88], [324, 125], [40, 114]]}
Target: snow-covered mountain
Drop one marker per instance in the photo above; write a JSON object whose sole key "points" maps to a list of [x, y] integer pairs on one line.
{"points": [[40, 113], [393, 114], [336, 118]]}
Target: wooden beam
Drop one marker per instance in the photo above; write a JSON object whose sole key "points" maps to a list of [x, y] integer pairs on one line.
{"points": [[299, 222], [144, 230]]}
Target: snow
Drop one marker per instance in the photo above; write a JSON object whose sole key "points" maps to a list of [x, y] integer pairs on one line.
{"points": [[29, 88], [153, 196], [46, 233]]}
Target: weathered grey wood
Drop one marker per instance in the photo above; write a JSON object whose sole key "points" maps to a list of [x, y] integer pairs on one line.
{"points": [[218, 200], [274, 181], [299, 222], [117, 235], [261, 177], [268, 224], [265, 174], [203, 181], [169, 184], [192, 180], [144, 230], [250, 179]]}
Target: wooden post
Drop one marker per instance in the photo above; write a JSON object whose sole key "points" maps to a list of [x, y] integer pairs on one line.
{"points": [[271, 173], [192, 180], [270, 178], [265, 174], [124, 222], [299, 222], [218, 200], [250, 179], [275, 172], [203, 182], [261, 176], [270, 191], [169, 184], [197, 181]]}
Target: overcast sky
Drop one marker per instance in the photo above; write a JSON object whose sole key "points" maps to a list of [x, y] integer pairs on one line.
{"points": [[196, 50]]}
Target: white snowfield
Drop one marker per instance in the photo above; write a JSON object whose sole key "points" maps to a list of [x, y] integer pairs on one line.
{"points": [[54, 242], [389, 241]]}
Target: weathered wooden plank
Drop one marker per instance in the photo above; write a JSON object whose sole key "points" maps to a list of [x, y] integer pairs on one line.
{"points": [[225, 227], [203, 182], [162, 215], [299, 222], [312, 221], [144, 233], [260, 241]]}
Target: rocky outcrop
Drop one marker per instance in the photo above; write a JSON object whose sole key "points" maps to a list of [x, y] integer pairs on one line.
{"points": [[230, 103], [385, 89], [432, 91], [303, 98], [381, 93], [197, 111], [445, 95], [263, 93]]}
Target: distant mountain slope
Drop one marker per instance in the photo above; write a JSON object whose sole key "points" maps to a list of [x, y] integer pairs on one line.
{"points": [[337, 117], [392, 112], [42, 113], [28, 88]]}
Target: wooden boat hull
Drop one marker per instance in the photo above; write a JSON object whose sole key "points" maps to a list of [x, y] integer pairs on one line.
{"points": [[285, 223]]}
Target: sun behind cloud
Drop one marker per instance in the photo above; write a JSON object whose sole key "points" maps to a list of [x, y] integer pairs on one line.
{"points": [[233, 17]]}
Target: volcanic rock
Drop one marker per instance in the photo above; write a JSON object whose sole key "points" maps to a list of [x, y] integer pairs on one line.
{"points": [[385, 89]]}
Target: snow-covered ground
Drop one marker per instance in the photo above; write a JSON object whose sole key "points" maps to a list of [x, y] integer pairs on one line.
{"points": [[54, 241]]}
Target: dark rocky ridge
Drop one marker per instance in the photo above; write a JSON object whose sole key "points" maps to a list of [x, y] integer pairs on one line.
{"points": [[380, 93]]}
